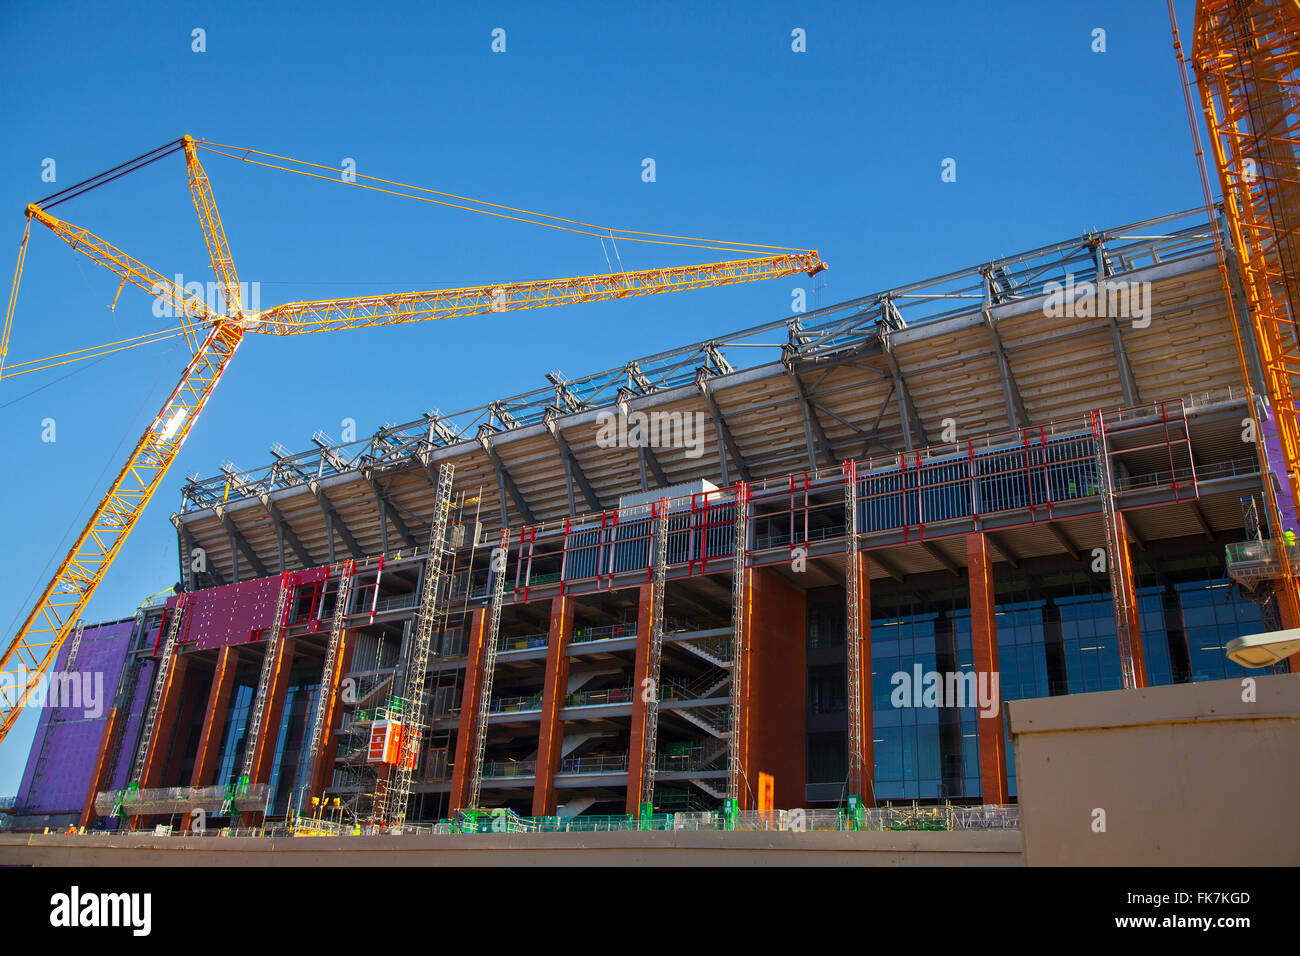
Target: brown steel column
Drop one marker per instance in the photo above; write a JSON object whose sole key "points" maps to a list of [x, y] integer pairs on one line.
{"points": [[866, 786], [774, 720], [165, 725], [635, 761], [269, 735], [103, 761], [984, 640], [1134, 614], [214, 718], [322, 771], [468, 706], [551, 736]]}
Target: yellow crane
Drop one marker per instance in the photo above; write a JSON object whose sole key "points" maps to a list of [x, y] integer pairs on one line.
{"points": [[1246, 57], [215, 336]]}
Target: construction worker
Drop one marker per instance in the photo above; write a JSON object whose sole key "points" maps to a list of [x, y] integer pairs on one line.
{"points": [[1288, 537]]}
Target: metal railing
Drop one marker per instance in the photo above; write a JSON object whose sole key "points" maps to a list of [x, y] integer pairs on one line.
{"points": [[525, 642], [592, 698], [1264, 551], [605, 763], [511, 705], [509, 768], [606, 632]]}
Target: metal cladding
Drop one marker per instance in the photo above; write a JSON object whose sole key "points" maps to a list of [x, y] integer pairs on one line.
{"points": [[235, 613], [68, 737]]}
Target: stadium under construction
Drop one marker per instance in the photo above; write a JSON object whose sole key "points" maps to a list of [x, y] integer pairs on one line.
{"points": [[703, 582]]}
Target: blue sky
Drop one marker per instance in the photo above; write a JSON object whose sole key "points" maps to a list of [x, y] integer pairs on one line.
{"points": [[837, 148]]}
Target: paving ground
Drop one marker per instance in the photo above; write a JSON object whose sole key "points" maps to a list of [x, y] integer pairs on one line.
{"points": [[680, 848]]}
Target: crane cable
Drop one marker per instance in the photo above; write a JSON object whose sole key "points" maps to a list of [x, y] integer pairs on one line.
{"points": [[13, 296], [631, 235], [94, 351]]}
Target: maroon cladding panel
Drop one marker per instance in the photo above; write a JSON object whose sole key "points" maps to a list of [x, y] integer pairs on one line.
{"points": [[235, 613]]}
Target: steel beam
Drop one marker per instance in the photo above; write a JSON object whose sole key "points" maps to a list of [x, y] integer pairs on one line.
{"points": [[889, 567], [506, 483], [942, 558], [646, 457], [191, 543], [1004, 549], [1127, 381], [286, 533], [812, 426], [1014, 402], [726, 441], [389, 512], [1199, 515], [242, 543], [573, 472], [909, 418], [334, 521], [1059, 534]]}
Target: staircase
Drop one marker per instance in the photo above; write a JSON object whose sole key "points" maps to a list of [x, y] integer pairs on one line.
{"points": [[714, 721], [716, 650]]}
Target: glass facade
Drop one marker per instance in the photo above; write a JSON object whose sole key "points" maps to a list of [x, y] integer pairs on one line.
{"points": [[922, 751], [234, 735], [299, 704], [1056, 635]]}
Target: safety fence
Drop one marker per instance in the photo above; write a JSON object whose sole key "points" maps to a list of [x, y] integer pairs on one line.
{"points": [[501, 820], [935, 818]]}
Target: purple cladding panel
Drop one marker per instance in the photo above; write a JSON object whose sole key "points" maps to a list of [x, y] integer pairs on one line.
{"points": [[1273, 446], [74, 704], [131, 729], [236, 613]]}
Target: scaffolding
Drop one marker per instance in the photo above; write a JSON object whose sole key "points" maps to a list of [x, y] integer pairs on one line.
{"points": [[393, 797], [271, 647], [74, 647], [651, 692], [739, 644], [1117, 556], [853, 628], [488, 668], [161, 680], [338, 630]]}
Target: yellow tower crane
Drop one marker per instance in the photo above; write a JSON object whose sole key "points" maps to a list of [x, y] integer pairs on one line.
{"points": [[215, 336]]}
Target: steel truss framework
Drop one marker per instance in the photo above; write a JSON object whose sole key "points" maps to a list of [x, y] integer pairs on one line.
{"points": [[808, 343]]}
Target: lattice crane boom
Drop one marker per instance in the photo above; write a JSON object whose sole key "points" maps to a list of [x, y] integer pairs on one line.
{"points": [[296, 318], [214, 339], [129, 269], [1246, 54], [60, 604]]}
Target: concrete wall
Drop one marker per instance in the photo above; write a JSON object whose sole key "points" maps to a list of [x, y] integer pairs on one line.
{"points": [[1186, 775], [651, 848]]}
